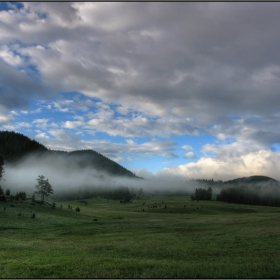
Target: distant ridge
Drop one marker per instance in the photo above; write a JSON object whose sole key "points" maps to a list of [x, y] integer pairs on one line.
{"points": [[251, 179], [15, 146]]}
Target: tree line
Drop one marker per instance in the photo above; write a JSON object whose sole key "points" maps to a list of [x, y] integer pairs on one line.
{"points": [[202, 194], [122, 193], [253, 196]]}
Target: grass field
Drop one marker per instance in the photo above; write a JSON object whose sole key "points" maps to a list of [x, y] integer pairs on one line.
{"points": [[187, 239]]}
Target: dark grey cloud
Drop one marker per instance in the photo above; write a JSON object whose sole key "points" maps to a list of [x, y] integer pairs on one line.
{"points": [[16, 88], [202, 61]]}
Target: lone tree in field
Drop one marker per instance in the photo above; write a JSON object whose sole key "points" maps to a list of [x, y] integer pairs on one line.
{"points": [[44, 187]]}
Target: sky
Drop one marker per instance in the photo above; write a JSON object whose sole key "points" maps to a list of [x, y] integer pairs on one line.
{"points": [[166, 89]]}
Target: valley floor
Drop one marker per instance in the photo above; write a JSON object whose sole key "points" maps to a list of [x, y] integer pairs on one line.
{"points": [[142, 239]]}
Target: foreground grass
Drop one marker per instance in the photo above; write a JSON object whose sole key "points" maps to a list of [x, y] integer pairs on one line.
{"points": [[185, 240]]}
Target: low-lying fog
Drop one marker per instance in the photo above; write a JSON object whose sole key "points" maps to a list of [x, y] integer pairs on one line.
{"points": [[66, 176]]}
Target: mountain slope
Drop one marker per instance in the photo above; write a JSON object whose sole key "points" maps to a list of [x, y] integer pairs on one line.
{"points": [[15, 146], [99, 162]]}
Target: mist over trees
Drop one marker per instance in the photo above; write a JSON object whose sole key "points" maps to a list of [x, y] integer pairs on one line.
{"points": [[254, 190], [121, 193], [202, 194], [254, 195], [16, 147], [86, 173]]}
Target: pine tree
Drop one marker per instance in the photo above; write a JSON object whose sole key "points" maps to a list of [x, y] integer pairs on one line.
{"points": [[44, 187]]}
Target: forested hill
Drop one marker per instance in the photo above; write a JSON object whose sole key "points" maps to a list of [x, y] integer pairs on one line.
{"points": [[252, 179], [15, 146], [90, 158]]}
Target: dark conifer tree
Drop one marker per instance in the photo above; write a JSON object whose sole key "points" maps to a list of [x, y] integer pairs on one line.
{"points": [[2, 170]]}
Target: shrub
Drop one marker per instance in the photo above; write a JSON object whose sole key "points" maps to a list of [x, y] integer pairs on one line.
{"points": [[78, 209]]}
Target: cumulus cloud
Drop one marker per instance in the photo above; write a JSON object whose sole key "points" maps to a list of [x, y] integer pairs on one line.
{"points": [[231, 161]]}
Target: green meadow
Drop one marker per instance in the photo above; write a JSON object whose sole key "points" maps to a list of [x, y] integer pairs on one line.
{"points": [[173, 237]]}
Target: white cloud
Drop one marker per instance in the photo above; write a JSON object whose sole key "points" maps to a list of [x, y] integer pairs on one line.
{"points": [[122, 110], [231, 161], [14, 113], [9, 57], [190, 155], [44, 123], [40, 121], [16, 125], [23, 124], [59, 108], [130, 142], [36, 111], [42, 135], [69, 124], [4, 119], [187, 147]]}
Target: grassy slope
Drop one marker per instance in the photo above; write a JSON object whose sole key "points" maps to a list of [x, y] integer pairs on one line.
{"points": [[202, 240]]}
